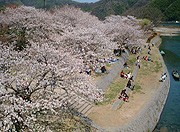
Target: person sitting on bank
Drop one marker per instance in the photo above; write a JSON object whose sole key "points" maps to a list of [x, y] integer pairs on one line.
{"points": [[129, 75], [131, 78], [163, 77], [129, 84], [88, 71], [97, 70], [145, 58], [123, 75], [103, 69], [138, 57], [149, 59], [125, 64], [124, 95]]}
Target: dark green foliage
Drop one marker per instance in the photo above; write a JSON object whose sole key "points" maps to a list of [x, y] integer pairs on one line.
{"points": [[161, 4], [2, 4], [147, 12], [2, 8], [156, 10], [21, 40], [101, 13], [5, 2], [169, 8], [173, 11], [119, 9], [39, 3], [105, 8], [15, 35]]}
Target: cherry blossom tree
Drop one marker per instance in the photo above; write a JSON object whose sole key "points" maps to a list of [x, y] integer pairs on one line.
{"points": [[44, 52], [75, 29], [28, 80], [123, 30]]}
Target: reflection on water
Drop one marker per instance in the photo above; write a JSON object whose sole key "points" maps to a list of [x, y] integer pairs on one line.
{"points": [[170, 117], [170, 24]]}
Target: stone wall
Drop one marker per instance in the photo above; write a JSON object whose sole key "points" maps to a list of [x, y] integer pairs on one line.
{"points": [[157, 41]]}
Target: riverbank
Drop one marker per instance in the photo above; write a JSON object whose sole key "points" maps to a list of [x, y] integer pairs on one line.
{"points": [[167, 31], [143, 110]]}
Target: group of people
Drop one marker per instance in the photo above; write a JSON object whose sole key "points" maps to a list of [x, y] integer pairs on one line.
{"points": [[118, 51], [98, 65], [97, 70], [112, 60], [135, 50], [123, 94]]}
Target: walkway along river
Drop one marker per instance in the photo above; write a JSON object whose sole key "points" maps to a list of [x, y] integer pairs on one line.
{"points": [[147, 118]]}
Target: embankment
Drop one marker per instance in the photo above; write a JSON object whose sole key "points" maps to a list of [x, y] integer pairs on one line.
{"points": [[167, 31], [148, 117]]}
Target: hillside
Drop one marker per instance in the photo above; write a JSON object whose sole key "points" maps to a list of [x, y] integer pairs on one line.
{"points": [[155, 10], [104, 8], [38, 3]]}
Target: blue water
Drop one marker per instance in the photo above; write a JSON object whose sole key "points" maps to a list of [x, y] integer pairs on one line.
{"points": [[170, 117]]}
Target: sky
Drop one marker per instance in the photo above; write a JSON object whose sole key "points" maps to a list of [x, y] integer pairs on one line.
{"points": [[88, 1]]}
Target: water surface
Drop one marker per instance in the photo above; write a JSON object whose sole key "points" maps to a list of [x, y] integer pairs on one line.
{"points": [[170, 117], [170, 24]]}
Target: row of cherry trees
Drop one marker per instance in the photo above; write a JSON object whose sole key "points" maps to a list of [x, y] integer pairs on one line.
{"points": [[44, 51]]}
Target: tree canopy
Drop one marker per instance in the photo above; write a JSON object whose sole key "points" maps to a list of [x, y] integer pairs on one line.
{"points": [[43, 52]]}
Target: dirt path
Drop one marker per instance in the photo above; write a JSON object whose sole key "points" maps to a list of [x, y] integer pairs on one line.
{"points": [[118, 102], [104, 82]]}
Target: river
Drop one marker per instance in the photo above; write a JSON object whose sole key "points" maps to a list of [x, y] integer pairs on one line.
{"points": [[170, 117]]}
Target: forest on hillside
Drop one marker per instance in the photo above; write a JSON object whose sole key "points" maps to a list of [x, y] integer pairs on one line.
{"points": [[155, 10]]}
